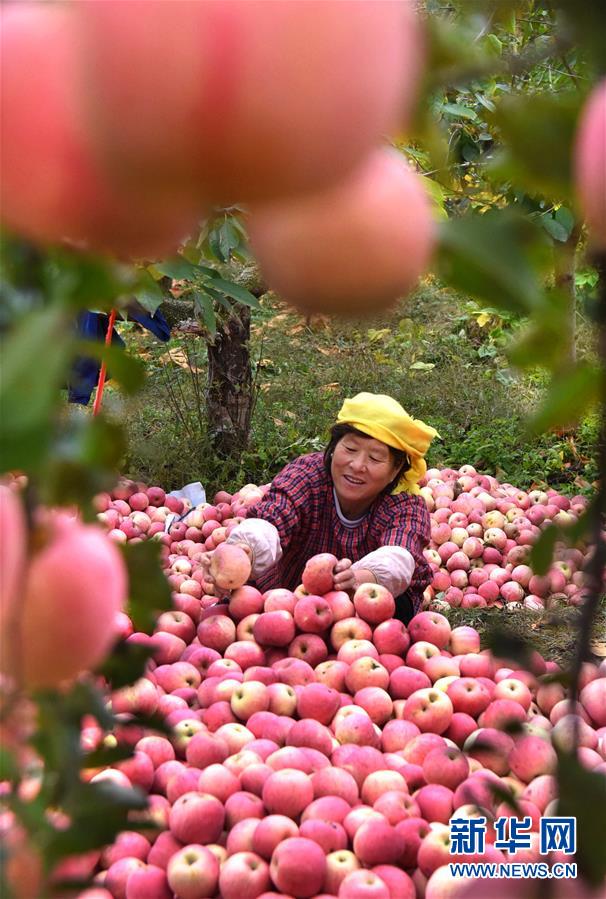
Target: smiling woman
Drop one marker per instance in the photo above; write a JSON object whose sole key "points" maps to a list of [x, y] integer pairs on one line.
{"points": [[359, 500]]}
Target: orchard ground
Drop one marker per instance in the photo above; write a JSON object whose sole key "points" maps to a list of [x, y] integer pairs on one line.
{"points": [[439, 352]]}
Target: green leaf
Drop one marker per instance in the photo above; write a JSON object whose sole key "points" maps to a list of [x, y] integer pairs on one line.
{"points": [[148, 588], [507, 645], [148, 292], [565, 218], [87, 281], [34, 360], [458, 111], [127, 370], [541, 554], [555, 229], [229, 239], [219, 298], [545, 340], [97, 813], [125, 664], [9, 769], [83, 461], [568, 397], [240, 294], [179, 269], [582, 795], [203, 307], [106, 756], [538, 130], [488, 257]]}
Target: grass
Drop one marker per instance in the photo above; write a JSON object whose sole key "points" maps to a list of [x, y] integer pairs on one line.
{"points": [[434, 353]]}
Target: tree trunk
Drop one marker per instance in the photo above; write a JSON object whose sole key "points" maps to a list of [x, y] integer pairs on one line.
{"points": [[565, 267], [230, 394]]}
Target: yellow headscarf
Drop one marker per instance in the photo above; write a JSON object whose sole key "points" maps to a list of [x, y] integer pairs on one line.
{"points": [[383, 418]]}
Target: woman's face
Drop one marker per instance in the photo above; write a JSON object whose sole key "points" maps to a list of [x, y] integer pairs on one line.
{"points": [[361, 468]]}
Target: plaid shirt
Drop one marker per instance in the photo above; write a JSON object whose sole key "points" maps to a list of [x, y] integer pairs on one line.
{"points": [[300, 504]]}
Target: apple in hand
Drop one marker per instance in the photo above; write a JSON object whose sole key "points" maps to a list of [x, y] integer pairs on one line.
{"points": [[318, 574]]}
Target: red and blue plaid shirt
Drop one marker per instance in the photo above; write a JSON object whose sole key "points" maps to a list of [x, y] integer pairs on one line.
{"points": [[301, 506]]}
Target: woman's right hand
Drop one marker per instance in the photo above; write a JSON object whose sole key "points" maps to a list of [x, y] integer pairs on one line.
{"points": [[209, 583]]}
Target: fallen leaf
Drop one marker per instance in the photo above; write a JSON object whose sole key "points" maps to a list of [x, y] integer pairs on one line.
{"points": [[598, 648], [178, 357]]}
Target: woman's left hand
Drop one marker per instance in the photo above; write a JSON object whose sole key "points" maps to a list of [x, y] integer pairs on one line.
{"points": [[345, 576]]}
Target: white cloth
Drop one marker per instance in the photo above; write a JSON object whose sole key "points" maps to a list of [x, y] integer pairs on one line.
{"points": [[392, 566]]}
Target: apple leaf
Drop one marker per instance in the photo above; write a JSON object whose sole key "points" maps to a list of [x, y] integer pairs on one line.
{"points": [[125, 664], [149, 593]]}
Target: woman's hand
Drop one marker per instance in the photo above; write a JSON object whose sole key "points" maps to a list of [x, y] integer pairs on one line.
{"points": [[349, 579], [344, 576]]}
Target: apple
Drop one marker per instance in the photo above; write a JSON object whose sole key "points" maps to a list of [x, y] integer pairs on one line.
{"points": [[338, 865], [492, 748], [392, 637], [298, 867], [376, 842], [366, 672], [193, 872], [512, 688], [349, 629], [376, 702], [118, 874], [430, 627], [313, 614], [309, 733], [284, 231], [435, 802], [276, 628], [318, 701], [332, 674], [229, 566], [405, 681], [197, 818], [244, 875], [333, 781], [356, 649], [468, 695], [128, 844], [430, 709], [217, 780], [148, 883], [240, 806], [287, 792], [249, 697], [309, 647], [446, 766], [374, 603], [329, 835], [340, 604], [593, 700], [318, 573], [217, 632], [363, 884]]}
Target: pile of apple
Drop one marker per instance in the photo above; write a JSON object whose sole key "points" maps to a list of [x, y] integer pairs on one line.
{"points": [[319, 747], [482, 533]]}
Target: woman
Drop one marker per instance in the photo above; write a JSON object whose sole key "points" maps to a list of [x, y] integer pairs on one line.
{"points": [[358, 500]]}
